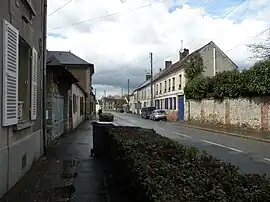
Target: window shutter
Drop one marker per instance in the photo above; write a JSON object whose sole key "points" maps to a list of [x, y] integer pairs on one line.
{"points": [[10, 74], [34, 85]]}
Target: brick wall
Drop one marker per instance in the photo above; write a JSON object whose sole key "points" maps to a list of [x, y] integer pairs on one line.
{"points": [[172, 115], [238, 112]]}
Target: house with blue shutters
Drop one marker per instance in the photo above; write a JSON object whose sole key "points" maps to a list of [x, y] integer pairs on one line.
{"points": [[169, 83]]}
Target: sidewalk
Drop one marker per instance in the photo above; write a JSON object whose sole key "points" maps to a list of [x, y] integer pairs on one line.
{"points": [[38, 184]]}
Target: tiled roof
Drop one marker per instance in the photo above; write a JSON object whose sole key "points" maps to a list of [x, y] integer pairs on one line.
{"points": [[67, 58], [179, 64]]}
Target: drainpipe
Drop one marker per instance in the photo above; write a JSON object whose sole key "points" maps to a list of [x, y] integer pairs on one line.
{"points": [[44, 104]]}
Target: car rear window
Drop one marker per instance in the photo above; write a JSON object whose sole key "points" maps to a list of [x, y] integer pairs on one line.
{"points": [[161, 111]]}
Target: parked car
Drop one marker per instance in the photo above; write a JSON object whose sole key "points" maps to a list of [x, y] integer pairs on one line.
{"points": [[158, 114], [146, 112], [121, 111]]}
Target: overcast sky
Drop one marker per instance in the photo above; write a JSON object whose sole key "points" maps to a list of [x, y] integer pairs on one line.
{"points": [[117, 35]]}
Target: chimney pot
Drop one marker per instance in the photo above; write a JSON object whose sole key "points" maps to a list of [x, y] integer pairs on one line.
{"points": [[160, 69], [184, 54], [167, 64], [148, 76]]}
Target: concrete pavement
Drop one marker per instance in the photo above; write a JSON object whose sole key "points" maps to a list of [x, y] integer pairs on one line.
{"points": [[38, 184], [251, 156]]}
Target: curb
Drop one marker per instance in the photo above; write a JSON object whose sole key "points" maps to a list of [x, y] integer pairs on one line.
{"points": [[224, 132]]}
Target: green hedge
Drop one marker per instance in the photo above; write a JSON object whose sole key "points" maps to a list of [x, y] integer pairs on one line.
{"points": [[160, 170], [254, 82], [106, 117]]}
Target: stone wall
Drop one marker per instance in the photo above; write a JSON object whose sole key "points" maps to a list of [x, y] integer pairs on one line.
{"points": [[237, 112]]}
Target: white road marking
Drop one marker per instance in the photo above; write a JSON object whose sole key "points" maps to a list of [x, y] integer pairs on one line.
{"points": [[163, 129], [183, 135], [266, 159], [223, 146]]}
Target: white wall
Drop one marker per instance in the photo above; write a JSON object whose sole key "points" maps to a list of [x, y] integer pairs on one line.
{"points": [[77, 118], [98, 107], [178, 87]]}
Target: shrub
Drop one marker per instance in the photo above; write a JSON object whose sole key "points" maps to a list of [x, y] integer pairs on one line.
{"points": [[160, 170], [106, 117], [254, 82]]}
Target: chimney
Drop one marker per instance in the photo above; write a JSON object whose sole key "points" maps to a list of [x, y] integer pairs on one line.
{"points": [[184, 54], [148, 76], [167, 64]]}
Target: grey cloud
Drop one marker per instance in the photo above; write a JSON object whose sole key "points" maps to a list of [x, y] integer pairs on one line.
{"points": [[119, 78]]}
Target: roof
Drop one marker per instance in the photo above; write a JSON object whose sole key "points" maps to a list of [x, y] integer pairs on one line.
{"points": [[53, 63], [109, 99], [68, 58], [180, 64], [147, 82]]}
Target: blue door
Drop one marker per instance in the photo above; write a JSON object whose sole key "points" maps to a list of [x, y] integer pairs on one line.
{"points": [[181, 107]]}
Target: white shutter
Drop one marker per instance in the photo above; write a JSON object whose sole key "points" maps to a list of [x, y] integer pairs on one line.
{"points": [[10, 74], [34, 85]]}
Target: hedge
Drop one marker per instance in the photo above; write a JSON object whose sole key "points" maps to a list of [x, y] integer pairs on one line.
{"points": [[106, 117], [254, 82], [158, 169]]}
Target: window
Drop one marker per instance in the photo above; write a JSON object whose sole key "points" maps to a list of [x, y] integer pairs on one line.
{"points": [[20, 78], [160, 88], [169, 89], [74, 103], [174, 102], [81, 106], [165, 86], [173, 83], [157, 89], [180, 82], [24, 81]]}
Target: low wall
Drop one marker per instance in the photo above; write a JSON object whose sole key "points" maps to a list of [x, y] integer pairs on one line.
{"points": [[250, 113], [172, 115]]}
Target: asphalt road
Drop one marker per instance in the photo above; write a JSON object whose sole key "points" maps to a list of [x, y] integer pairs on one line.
{"points": [[251, 156]]}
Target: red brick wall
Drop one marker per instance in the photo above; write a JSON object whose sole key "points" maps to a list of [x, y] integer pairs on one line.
{"points": [[172, 115]]}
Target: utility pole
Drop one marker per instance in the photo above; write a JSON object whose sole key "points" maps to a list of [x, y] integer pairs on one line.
{"points": [[122, 97], [151, 70], [104, 93], [128, 94]]}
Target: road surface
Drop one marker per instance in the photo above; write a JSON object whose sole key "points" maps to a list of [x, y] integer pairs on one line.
{"points": [[251, 156]]}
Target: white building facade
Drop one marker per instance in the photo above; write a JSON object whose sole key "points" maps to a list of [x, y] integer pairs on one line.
{"points": [[78, 105], [170, 82]]}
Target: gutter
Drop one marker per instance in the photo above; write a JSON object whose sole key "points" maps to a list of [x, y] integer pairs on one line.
{"points": [[44, 103]]}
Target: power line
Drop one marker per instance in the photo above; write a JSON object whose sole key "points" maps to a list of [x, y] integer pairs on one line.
{"points": [[106, 16], [226, 14], [60, 7], [203, 5]]}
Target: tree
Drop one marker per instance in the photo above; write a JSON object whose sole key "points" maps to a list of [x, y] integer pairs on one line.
{"points": [[261, 50], [194, 66]]}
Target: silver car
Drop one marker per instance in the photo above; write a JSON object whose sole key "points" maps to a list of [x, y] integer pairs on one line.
{"points": [[158, 114]]}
